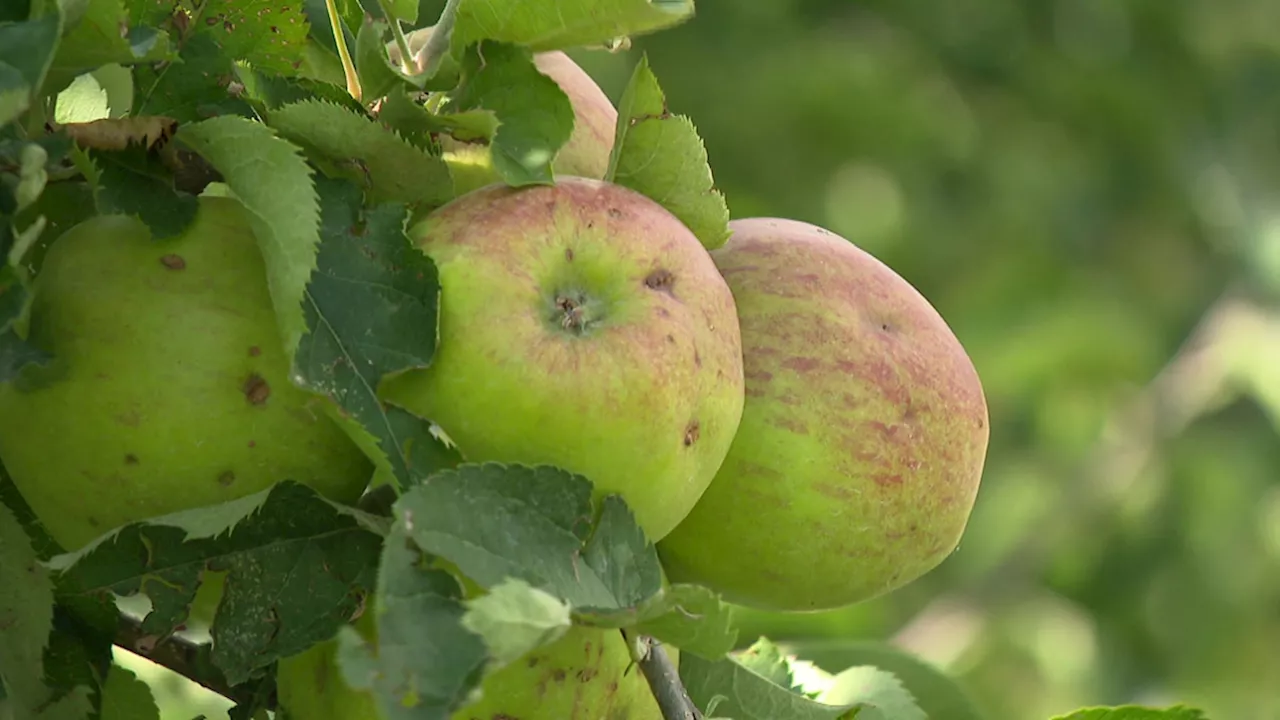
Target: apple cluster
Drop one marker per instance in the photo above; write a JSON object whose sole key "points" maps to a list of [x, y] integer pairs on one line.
{"points": [[791, 422]]}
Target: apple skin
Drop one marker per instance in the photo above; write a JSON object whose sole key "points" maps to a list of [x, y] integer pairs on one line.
{"points": [[585, 675], [862, 443], [584, 326], [169, 388]]}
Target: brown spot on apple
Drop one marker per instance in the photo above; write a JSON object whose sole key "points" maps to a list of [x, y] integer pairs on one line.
{"points": [[225, 479], [173, 262], [691, 433], [130, 459], [660, 279], [256, 389]]}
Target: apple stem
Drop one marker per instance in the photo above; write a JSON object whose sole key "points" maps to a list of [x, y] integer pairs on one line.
{"points": [[438, 43], [664, 679], [406, 60], [339, 39], [184, 657]]}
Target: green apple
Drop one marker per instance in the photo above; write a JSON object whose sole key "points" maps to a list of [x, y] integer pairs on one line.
{"points": [[862, 443], [585, 675], [169, 387], [582, 325], [586, 154]]}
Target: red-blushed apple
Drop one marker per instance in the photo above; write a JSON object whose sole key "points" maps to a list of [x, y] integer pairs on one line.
{"points": [[582, 325], [169, 388], [862, 442]]}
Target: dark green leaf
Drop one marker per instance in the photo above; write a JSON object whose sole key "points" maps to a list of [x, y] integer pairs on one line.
{"points": [[371, 309], [296, 568]]}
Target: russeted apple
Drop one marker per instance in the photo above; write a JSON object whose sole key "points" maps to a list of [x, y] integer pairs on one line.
{"points": [[585, 675], [585, 154], [169, 387], [858, 459], [582, 325]]}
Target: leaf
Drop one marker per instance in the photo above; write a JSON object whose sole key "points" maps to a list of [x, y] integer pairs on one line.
{"points": [[1135, 712], [136, 182], [879, 693], [730, 688], [574, 23], [103, 35], [268, 92], [16, 354], [534, 115], [426, 662], [126, 697], [371, 308], [271, 179], [391, 169], [26, 50], [268, 35], [296, 567], [515, 618], [26, 615], [377, 76], [410, 120], [660, 155], [936, 693], [537, 524]]}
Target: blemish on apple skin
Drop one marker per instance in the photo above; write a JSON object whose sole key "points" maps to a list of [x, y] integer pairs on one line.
{"points": [[568, 254], [226, 478], [691, 433], [660, 279], [254, 351], [256, 390], [130, 459], [173, 262]]}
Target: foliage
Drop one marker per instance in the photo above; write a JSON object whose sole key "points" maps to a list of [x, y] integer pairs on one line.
{"points": [[138, 107]]}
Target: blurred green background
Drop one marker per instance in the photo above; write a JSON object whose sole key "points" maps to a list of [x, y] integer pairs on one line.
{"points": [[1089, 192]]}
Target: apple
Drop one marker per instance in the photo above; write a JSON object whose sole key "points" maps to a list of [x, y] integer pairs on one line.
{"points": [[169, 387], [586, 154], [582, 325], [858, 458], [585, 675]]}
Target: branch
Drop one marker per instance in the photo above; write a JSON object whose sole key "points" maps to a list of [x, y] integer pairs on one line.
{"points": [[185, 657], [664, 679]]}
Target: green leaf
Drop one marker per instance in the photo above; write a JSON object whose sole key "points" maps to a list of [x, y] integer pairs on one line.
{"points": [[26, 51], [1135, 712], [538, 524], [660, 155], [103, 36], [371, 308], [937, 694], [574, 23], [391, 169], [753, 687], [425, 662], [879, 694], [411, 120], [270, 177], [135, 182], [296, 566], [377, 76], [126, 697], [515, 618], [534, 116], [16, 354], [26, 615], [270, 36], [268, 92]]}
